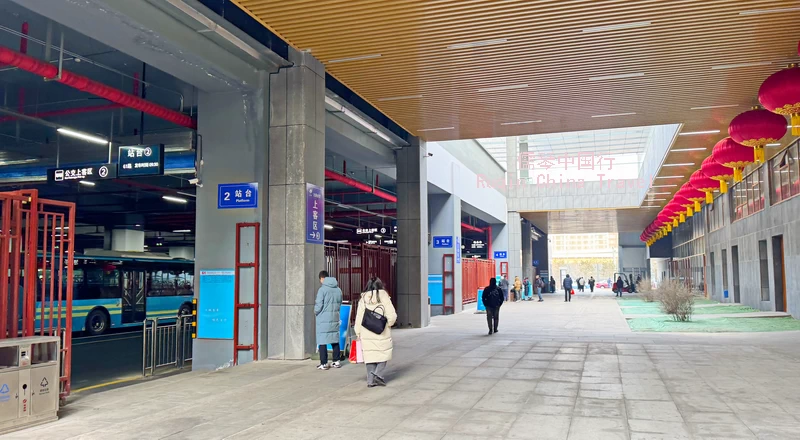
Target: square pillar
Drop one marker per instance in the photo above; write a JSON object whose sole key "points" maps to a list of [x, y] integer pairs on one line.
{"points": [[527, 251], [412, 236], [445, 221], [296, 157], [514, 246]]}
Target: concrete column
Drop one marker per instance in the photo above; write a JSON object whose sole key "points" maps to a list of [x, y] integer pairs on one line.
{"points": [[412, 236], [186, 252], [514, 245], [127, 240], [499, 244], [527, 250], [444, 211], [235, 149], [297, 157]]}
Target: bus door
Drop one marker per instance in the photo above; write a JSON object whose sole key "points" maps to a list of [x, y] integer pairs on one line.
{"points": [[133, 298]]}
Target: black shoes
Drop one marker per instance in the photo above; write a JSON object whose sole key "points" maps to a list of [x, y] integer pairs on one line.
{"points": [[379, 381], [490, 332]]}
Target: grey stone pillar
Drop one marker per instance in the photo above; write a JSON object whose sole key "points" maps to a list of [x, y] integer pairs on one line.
{"points": [[514, 245], [412, 236], [444, 211], [527, 250], [296, 157]]}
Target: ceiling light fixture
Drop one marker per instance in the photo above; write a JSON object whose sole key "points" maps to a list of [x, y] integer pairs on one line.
{"points": [[174, 199], [519, 123], [768, 11], [399, 98], [361, 121], [477, 43], [495, 89], [690, 133], [663, 186], [687, 164], [774, 145], [182, 230], [86, 182], [659, 194], [707, 107], [616, 27], [436, 129], [84, 136], [328, 227], [679, 150], [657, 200], [359, 58], [613, 114], [670, 177], [620, 76], [736, 66]]}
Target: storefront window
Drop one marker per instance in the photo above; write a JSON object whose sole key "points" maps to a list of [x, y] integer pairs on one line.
{"points": [[748, 195], [785, 182]]}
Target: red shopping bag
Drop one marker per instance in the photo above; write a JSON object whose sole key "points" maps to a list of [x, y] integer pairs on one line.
{"points": [[353, 351], [572, 292]]}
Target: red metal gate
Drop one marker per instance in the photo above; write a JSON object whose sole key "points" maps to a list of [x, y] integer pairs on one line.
{"points": [[352, 265], [36, 270], [475, 275]]}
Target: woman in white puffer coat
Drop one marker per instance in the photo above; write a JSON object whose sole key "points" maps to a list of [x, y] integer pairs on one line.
{"points": [[377, 348]]}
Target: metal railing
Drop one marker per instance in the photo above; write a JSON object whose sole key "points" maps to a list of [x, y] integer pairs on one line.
{"points": [[166, 345]]}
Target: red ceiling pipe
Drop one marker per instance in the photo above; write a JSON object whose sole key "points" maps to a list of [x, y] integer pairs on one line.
{"points": [[469, 227], [87, 85], [23, 48], [333, 175], [67, 111], [344, 214]]}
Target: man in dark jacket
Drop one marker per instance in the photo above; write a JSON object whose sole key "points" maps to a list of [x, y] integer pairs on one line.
{"points": [[504, 287], [492, 299], [620, 286], [591, 284], [567, 285]]}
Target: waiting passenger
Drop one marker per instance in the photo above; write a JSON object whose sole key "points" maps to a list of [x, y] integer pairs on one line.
{"points": [[552, 284], [620, 286], [326, 309], [567, 285], [504, 287], [517, 289], [539, 285], [377, 347], [526, 290]]}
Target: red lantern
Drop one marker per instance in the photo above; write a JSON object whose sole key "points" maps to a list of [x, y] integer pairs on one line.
{"points": [[717, 172], [688, 192], [732, 155], [704, 184], [780, 93], [757, 128], [687, 205]]}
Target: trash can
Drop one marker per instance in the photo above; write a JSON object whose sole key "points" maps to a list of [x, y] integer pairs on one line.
{"points": [[29, 381]]}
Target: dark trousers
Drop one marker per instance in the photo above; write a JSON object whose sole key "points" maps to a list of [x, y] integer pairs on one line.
{"points": [[323, 353], [492, 317], [567, 296]]}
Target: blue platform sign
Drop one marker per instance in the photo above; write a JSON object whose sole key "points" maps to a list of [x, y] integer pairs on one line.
{"points": [[442, 241], [315, 214], [458, 250], [215, 305], [499, 255], [237, 195], [535, 262]]}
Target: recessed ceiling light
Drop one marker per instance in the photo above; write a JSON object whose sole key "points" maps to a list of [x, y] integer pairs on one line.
{"points": [[620, 76], [768, 11], [689, 133], [174, 199], [774, 145], [612, 115], [398, 98], [328, 227], [657, 200], [707, 107], [687, 164], [477, 43], [84, 136], [86, 182], [182, 230], [679, 150], [651, 206], [615, 27], [735, 66], [495, 89], [659, 194], [359, 58], [663, 186], [670, 177], [436, 129], [519, 123]]}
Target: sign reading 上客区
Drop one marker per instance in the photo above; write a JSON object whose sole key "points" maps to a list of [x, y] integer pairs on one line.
{"points": [[499, 255], [141, 160], [315, 214], [99, 171], [215, 305], [237, 195], [442, 241]]}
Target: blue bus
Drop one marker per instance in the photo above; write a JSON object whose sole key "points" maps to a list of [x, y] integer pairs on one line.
{"points": [[122, 291]]}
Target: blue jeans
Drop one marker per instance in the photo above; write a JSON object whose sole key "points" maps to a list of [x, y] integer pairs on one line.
{"points": [[539, 292]]}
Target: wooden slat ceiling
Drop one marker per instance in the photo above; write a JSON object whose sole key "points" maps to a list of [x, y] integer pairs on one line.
{"points": [[552, 48]]}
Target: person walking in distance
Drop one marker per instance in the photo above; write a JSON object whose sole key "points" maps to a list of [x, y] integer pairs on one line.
{"points": [[591, 284], [377, 348], [492, 299], [552, 284], [539, 285], [620, 286], [504, 287], [567, 285], [326, 309]]}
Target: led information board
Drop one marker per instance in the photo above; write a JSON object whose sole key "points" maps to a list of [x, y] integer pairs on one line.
{"points": [[141, 160]]}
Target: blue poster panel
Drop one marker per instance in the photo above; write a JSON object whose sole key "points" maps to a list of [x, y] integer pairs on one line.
{"points": [[315, 214], [344, 326], [215, 305]]}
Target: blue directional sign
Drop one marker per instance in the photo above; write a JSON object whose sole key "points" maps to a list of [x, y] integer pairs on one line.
{"points": [[442, 241], [499, 255], [237, 195], [535, 262], [315, 214], [141, 160], [458, 250]]}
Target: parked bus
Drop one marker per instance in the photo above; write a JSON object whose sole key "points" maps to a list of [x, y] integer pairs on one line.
{"points": [[122, 291]]}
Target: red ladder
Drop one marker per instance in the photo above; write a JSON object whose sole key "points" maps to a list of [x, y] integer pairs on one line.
{"points": [[254, 265], [448, 284]]}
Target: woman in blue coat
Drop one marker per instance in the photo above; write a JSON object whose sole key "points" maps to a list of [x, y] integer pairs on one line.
{"points": [[326, 309]]}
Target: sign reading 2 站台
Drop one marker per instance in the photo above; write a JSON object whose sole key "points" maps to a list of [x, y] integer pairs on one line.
{"points": [[237, 195], [141, 160], [315, 214]]}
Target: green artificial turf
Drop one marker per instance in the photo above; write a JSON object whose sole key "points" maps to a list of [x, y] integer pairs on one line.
{"points": [[714, 325], [712, 310]]}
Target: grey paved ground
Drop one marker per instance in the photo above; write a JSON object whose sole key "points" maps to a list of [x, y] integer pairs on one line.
{"points": [[555, 371]]}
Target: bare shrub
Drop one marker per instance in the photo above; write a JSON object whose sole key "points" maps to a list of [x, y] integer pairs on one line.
{"points": [[677, 300], [646, 291]]}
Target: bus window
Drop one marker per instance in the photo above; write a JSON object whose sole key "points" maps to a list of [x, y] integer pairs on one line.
{"points": [[77, 283], [101, 283], [160, 283]]}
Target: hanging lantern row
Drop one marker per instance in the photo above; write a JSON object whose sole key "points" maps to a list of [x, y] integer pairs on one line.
{"points": [[749, 132]]}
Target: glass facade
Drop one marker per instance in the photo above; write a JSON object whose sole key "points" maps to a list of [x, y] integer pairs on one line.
{"points": [[715, 214], [748, 195], [785, 179], [688, 252]]}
